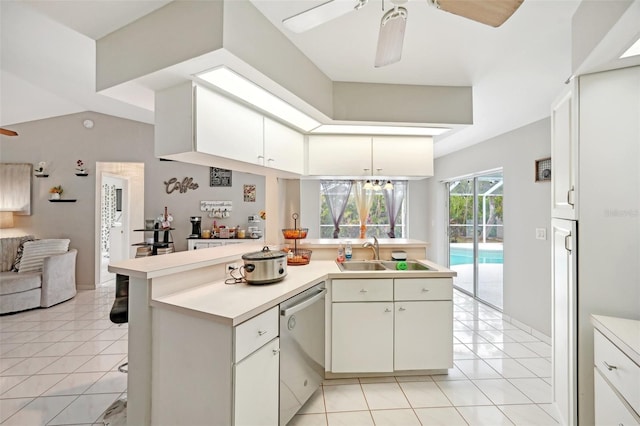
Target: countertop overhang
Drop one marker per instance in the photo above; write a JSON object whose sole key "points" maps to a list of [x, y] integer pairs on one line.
{"points": [[233, 304]]}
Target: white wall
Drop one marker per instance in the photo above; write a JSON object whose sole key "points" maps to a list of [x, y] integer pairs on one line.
{"points": [[61, 141], [527, 261]]}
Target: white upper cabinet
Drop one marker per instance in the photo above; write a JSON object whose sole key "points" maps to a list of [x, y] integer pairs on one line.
{"points": [[198, 125], [564, 154], [227, 129], [339, 155], [402, 156], [283, 147], [349, 155]]}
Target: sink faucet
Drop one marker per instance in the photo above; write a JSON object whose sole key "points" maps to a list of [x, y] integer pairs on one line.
{"points": [[375, 247]]}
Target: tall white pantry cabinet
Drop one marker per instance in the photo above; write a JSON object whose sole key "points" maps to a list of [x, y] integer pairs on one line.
{"points": [[595, 148]]}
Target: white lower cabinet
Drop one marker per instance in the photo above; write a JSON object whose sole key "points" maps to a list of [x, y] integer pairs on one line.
{"points": [[362, 337], [384, 325], [423, 341], [609, 408], [256, 384]]}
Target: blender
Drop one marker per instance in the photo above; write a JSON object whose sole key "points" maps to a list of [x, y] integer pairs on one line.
{"points": [[196, 228]]}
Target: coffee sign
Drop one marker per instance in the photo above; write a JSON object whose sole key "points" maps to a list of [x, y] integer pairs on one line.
{"points": [[182, 187]]}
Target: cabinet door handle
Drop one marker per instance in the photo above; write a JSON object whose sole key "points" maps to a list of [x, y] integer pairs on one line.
{"points": [[401, 309], [363, 291], [270, 159], [425, 290], [609, 366], [275, 351], [387, 310], [262, 332], [378, 170], [566, 246], [260, 157], [569, 196]]}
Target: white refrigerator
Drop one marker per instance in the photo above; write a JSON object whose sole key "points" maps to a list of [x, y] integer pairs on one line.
{"points": [[595, 185]]}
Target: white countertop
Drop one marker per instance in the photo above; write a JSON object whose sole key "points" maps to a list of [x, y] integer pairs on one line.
{"points": [[624, 333], [235, 303]]}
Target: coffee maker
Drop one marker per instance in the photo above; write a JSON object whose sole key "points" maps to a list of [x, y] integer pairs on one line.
{"points": [[196, 228]]}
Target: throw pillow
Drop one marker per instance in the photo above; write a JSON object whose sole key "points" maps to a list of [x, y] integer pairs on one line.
{"points": [[16, 262], [35, 252]]}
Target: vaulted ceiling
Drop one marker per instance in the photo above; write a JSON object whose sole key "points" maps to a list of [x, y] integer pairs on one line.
{"points": [[48, 57]]}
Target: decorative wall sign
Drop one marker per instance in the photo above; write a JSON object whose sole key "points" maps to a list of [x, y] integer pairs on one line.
{"points": [[217, 209], [219, 177], [186, 184], [250, 193]]}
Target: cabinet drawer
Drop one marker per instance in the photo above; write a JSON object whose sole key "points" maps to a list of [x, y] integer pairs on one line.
{"points": [[609, 409], [362, 290], [423, 289], [622, 373], [252, 334]]}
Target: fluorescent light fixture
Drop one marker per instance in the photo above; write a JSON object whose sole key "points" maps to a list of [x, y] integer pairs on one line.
{"points": [[320, 14], [244, 89], [391, 37], [379, 130], [632, 51]]}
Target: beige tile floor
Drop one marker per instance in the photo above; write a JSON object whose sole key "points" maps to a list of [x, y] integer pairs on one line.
{"points": [[58, 366]]}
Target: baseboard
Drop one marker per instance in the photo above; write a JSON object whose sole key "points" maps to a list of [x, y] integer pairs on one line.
{"points": [[524, 327], [85, 287]]}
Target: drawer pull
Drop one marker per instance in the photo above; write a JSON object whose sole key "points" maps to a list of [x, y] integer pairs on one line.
{"points": [[363, 291], [609, 366], [262, 332], [275, 351], [425, 290], [402, 309]]}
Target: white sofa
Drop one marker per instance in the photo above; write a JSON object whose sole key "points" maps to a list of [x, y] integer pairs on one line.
{"points": [[54, 283]]}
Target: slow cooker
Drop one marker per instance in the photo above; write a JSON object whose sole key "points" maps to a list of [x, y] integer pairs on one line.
{"points": [[264, 267]]}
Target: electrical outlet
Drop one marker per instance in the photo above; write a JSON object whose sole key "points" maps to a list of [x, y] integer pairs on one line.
{"points": [[541, 233]]}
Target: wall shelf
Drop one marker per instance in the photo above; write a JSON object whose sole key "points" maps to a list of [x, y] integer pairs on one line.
{"points": [[68, 200]]}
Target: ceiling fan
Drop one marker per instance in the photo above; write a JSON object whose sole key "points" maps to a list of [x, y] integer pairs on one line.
{"points": [[394, 21], [8, 132]]}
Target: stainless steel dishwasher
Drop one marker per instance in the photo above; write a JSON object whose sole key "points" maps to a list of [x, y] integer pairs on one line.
{"points": [[301, 349]]}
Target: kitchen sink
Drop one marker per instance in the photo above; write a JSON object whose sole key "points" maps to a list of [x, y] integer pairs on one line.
{"points": [[374, 265], [411, 266], [361, 266]]}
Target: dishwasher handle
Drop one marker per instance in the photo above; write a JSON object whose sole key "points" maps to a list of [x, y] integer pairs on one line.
{"points": [[303, 304]]}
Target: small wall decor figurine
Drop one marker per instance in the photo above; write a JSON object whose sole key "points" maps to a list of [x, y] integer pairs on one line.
{"points": [[81, 171], [40, 171], [56, 192]]}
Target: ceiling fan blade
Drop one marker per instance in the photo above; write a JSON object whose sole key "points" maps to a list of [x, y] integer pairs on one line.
{"points": [[8, 132], [320, 14], [391, 37], [489, 12]]}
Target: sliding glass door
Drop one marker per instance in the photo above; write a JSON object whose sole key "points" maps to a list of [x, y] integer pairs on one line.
{"points": [[475, 233]]}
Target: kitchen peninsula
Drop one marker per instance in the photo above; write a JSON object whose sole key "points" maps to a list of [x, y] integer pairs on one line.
{"points": [[188, 330]]}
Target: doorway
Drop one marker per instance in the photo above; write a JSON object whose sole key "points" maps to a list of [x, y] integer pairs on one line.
{"points": [[475, 230], [116, 216]]}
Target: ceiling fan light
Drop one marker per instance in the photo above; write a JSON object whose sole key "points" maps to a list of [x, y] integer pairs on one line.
{"points": [[391, 37]]}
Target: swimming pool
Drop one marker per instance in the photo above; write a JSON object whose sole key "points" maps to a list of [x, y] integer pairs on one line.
{"points": [[464, 255]]}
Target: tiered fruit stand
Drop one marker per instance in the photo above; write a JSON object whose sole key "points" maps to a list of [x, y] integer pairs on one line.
{"points": [[296, 257]]}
